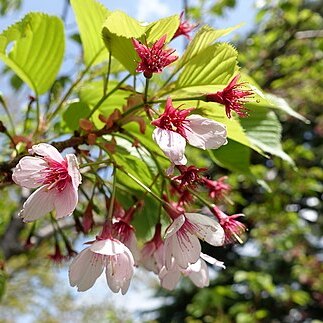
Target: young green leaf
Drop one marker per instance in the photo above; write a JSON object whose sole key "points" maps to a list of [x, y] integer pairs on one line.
{"points": [[33, 48], [90, 16], [214, 65]]}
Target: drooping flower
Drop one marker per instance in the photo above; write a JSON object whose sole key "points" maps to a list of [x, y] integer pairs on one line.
{"points": [[175, 127], [122, 228], [57, 177], [184, 27], [189, 177], [154, 58], [198, 273], [182, 245], [152, 253], [217, 189], [233, 97], [232, 228], [109, 254]]}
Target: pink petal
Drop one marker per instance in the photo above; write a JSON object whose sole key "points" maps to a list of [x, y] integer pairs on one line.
{"points": [[47, 150], [212, 260], [175, 226], [205, 133], [65, 201], [38, 204], [172, 144], [108, 247], [85, 269], [119, 272], [207, 229], [169, 278], [73, 170], [200, 278], [28, 172], [184, 248]]}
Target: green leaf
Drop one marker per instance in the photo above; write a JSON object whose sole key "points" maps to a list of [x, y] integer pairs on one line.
{"points": [[264, 131], [118, 29], [202, 40], [281, 104], [33, 48], [135, 167], [90, 16], [74, 112], [92, 92], [233, 156], [215, 65], [159, 28]]}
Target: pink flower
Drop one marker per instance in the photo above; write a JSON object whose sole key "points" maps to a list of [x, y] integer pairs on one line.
{"points": [[109, 254], [126, 234], [184, 28], [198, 273], [57, 177], [232, 228], [189, 177], [175, 127], [217, 189], [233, 97], [154, 58], [182, 245], [152, 253]]}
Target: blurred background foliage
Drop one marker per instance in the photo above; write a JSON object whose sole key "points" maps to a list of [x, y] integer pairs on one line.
{"points": [[276, 275]]}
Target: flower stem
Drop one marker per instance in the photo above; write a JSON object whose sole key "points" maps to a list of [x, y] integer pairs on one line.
{"points": [[3, 103], [113, 195], [106, 79], [105, 161], [143, 186], [97, 106], [77, 81]]}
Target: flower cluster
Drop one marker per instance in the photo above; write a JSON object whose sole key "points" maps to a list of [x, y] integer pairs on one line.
{"points": [[173, 251]]}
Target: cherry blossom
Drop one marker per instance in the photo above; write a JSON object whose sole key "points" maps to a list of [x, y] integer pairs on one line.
{"points": [[198, 273], [175, 127], [109, 254], [232, 228], [154, 58], [182, 245], [58, 179], [233, 97], [152, 253], [217, 189], [184, 28]]}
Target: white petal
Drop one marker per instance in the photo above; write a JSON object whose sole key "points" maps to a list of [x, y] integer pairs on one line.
{"points": [[172, 144], [65, 201], [108, 247], [207, 229], [205, 133], [119, 271], [200, 278], [38, 204], [175, 226], [212, 260], [183, 249], [46, 150], [169, 279], [85, 269], [28, 172], [73, 170]]}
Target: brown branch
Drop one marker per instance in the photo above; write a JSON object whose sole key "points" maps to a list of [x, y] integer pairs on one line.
{"points": [[72, 142]]}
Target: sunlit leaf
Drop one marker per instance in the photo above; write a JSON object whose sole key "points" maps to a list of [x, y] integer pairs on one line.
{"points": [[215, 65], [90, 16], [205, 37], [33, 48]]}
